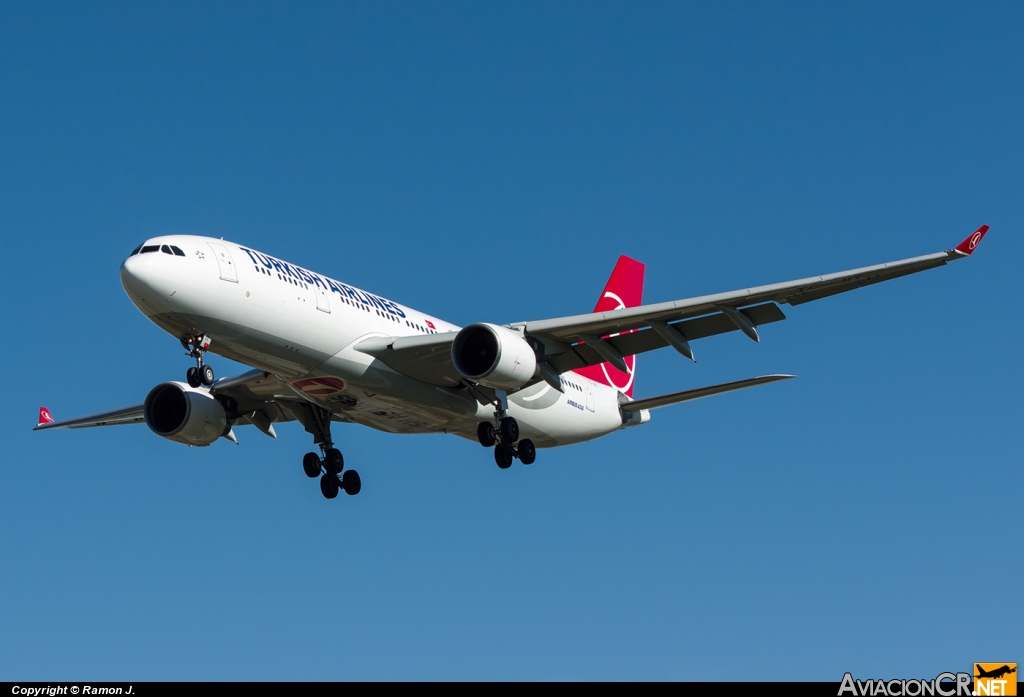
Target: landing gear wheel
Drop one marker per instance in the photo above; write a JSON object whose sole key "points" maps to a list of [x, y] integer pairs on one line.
{"points": [[485, 434], [329, 486], [503, 456], [527, 451], [311, 465], [192, 376], [334, 463], [350, 482], [509, 430], [206, 375]]}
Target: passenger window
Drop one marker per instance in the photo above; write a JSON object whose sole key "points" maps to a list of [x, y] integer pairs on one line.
{"points": [[150, 248], [177, 251]]}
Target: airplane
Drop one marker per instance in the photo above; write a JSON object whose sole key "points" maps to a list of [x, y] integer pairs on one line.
{"points": [[995, 673], [325, 352]]}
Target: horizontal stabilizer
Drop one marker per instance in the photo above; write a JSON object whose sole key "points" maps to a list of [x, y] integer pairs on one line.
{"points": [[688, 395]]}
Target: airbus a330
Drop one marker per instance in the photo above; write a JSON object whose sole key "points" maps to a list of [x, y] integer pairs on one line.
{"points": [[324, 352]]}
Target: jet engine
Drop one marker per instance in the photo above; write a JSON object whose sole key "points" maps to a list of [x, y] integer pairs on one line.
{"points": [[494, 356], [184, 414]]}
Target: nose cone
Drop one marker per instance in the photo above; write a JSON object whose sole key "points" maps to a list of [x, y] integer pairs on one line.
{"points": [[130, 277], [143, 281]]}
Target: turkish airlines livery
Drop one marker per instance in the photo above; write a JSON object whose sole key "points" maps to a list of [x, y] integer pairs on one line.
{"points": [[324, 351]]}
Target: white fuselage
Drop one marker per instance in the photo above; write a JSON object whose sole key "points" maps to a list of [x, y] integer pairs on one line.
{"points": [[302, 327]]}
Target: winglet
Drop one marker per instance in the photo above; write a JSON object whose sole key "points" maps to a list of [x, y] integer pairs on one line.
{"points": [[967, 246], [45, 417]]}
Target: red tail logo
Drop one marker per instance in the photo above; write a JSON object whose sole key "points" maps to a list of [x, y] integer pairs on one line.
{"points": [[44, 416], [968, 245], [625, 288]]}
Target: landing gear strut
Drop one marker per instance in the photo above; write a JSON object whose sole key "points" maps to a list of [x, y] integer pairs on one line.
{"points": [[504, 438], [195, 346], [330, 465]]}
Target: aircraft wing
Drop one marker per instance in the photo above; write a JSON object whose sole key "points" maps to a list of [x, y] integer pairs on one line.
{"points": [[426, 357], [114, 417], [663, 324], [594, 338], [258, 398]]}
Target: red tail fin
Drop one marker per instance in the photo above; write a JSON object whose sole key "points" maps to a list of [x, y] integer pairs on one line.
{"points": [[625, 288]]}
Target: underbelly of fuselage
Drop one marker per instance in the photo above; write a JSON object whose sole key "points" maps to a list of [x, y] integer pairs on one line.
{"points": [[360, 389]]}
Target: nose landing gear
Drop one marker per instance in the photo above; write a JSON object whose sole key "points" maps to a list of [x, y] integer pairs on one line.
{"points": [[195, 346], [504, 438]]}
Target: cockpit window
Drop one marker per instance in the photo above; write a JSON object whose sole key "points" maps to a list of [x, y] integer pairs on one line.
{"points": [[135, 251], [150, 248], [166, 250], [177, 251]]}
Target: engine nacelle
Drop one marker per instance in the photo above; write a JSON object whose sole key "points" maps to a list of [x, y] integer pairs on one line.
{"points": [[184, 414], [494, 356]]}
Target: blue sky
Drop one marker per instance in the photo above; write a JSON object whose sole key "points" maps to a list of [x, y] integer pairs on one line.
{"points": [[489, 162]]}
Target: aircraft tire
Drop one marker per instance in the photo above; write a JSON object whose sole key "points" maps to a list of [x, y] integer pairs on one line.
{"points": [[329, 486], [485, 434], [527, 451], [334, 462], [311, 465], [351, 483], [206, 375], [509, 430], [503, 456], [192, 377]]}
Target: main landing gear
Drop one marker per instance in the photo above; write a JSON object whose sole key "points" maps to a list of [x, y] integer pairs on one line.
{"points": [[331, 466], [504, 439], [196, 346]]}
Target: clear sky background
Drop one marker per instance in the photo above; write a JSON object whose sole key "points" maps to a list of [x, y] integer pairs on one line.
{"points": [[489, 162]]}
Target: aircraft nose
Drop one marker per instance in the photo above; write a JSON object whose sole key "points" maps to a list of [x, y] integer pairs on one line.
{"points": [[141, 281], [130, 276]]}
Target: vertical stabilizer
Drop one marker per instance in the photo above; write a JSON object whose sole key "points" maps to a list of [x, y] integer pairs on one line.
{"points": [[625, 288]]}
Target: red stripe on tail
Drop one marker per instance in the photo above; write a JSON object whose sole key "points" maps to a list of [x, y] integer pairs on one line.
{"points": [[625, 288]]}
